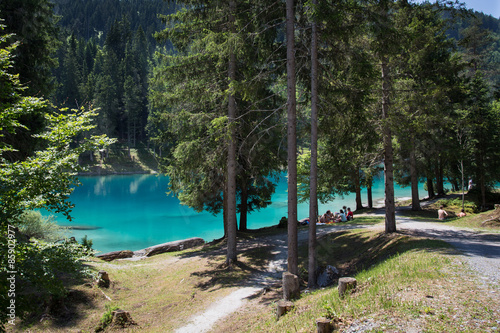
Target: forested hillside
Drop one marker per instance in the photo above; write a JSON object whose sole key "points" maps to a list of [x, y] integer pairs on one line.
{"points": [[105, 58]]}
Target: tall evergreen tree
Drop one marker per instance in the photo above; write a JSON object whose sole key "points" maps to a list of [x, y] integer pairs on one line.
{"points": [[221, 69]]}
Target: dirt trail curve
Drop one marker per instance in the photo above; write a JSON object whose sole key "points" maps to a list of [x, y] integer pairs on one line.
{"points": [[205, 321], [482, 252]]}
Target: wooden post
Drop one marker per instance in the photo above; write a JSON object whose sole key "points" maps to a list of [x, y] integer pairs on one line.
{"points": [[346, 284], [324, 325], [291, 288], [103, 279], [283, 307]]}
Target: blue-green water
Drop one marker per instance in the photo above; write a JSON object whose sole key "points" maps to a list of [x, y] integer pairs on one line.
{"points": [[134, 212]]}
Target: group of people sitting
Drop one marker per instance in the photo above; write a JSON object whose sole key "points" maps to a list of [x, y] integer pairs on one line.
{"points": [[343, 216]]}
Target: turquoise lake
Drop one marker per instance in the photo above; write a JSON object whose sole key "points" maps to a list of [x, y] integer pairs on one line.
{"points": [[134, 212]]}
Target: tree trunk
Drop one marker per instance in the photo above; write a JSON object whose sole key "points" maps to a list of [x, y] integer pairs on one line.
{"points": [[357, 184], [346, 284], [244, 203], [292, 141], [430, 188], [291, 286], [439, 177], [369, 194], [231, 157], [224, 209], [283, 307], [482, 181], [390, 209], [415, 199], [313, 200]]}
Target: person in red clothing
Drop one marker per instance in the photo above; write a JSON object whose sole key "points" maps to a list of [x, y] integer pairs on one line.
{"points": [[350, 215]]}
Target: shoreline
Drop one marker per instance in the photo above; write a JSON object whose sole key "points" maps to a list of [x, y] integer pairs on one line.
{"points": [[117, 173]]}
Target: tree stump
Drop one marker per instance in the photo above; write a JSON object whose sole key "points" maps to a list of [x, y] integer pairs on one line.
{"points": [[122, 318], [324, 325], [346, 284], [291, 288], [103, 279], [283, 307]]}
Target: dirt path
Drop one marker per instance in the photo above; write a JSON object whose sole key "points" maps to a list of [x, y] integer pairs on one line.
{"points": [[205, 321]]}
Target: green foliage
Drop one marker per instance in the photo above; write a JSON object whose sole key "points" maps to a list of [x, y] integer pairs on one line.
{"points": [[33, 24], [34, 225], [189, 103], [38, 269], [470, 207], [87, 243]]}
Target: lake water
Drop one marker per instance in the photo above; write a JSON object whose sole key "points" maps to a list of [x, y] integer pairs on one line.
{"points": [[134, 212]]}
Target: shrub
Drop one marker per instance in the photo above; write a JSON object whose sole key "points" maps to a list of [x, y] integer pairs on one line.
{"points": [[32, 224], [470, 207], [87, 243], [40, 270]]}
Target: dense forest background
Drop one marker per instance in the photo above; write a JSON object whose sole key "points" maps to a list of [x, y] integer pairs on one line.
{"points": [[107, 51]]}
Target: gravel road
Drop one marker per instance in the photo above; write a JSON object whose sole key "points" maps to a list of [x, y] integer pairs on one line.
{"points": [[481, 250]]}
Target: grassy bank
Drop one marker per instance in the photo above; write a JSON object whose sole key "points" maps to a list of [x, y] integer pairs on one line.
{"points": [[404, 284]]}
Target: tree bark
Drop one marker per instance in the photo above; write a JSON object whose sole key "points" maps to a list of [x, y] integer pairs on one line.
{"points": [[439, 177], [357, 184], [292, 141], [369, 194], [313, 200], [291, 287], [390, 209], [415, 199], [430, 187], [231, 155], [324, 325], [244, 203]]}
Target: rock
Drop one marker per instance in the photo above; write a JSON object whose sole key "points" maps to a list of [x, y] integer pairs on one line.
{"points": [[326, 276], [115, 255], [173, 246]]}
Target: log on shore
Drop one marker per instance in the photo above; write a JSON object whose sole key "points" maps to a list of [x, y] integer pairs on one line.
{"points": [[115, 255], [172, 246]]}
